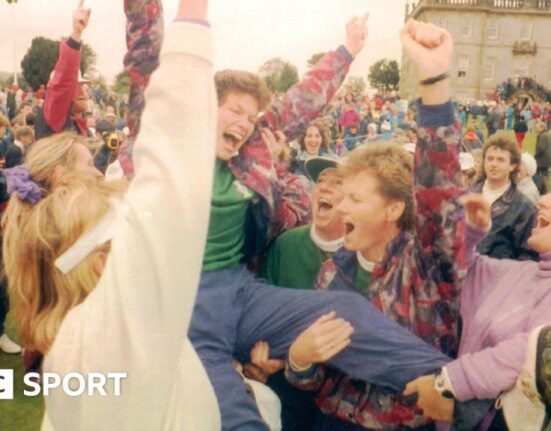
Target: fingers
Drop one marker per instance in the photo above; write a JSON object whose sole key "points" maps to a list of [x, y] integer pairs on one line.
{"points": [[325, 318], [80, 4], [281, 136], [411, 388], [253, 372]]}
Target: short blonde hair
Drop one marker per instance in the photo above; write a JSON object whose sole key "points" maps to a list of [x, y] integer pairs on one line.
{"points": [[33, 239], [392, 166]]}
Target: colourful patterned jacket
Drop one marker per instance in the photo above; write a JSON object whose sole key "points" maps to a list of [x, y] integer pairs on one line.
{"points": [[285, 204], [416, 284], [285, 201]]}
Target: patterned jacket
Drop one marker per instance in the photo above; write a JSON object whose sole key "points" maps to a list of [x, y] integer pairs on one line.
{"points": [[416, 284], [283, 202], [286, 204]]}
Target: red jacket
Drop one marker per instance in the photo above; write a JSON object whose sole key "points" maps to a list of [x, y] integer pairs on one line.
{"points": [[62, 88]]}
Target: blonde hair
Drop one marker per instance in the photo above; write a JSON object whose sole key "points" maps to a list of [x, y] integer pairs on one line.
{"points": [[33, 240], [47, 154], [35, 235], [392, 166]]}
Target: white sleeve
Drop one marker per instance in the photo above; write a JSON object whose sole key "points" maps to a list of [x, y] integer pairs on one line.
{"points": [[136, 319]]}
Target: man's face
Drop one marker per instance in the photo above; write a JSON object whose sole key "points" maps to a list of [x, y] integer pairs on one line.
{"points": [[80, 101], [363, 211], [326, 196], [540, 239], [237, 117], [498, 166]]}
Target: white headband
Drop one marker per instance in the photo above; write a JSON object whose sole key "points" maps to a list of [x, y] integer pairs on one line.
{"points": [[99, 234]]}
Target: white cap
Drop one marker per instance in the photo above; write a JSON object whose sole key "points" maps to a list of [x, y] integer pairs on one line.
{"points": [[530, 163], [466, 160]]}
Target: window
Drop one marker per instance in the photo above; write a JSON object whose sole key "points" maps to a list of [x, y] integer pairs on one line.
{"points": [[490, 68], [493, 29], [526, 31], [441, 21], [462, 66], [466, 27], [522, 68]]}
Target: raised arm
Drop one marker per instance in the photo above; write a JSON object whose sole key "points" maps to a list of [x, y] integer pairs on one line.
{"points": [[144, 36], [303, 102], [136, 319], [440, 224], [62, 86]]}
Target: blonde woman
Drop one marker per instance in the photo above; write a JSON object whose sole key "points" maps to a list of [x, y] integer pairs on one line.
{"points": [[108, 292]]}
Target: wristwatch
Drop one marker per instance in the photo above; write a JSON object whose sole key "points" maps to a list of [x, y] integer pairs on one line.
{"points": [[441, 386]]}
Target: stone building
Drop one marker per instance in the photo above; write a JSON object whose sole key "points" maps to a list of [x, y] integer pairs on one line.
{"points": [[494, 40]]}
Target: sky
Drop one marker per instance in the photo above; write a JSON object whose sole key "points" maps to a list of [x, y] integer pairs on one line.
{"points": [[247, 32]]}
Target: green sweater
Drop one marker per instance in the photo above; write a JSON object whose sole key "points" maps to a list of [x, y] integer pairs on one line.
{"points": [[226, 234], [294, 260]]}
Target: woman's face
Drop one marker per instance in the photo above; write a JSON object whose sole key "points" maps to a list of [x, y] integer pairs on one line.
{"points": [[540, 239], [312, 141], [84, 164]]}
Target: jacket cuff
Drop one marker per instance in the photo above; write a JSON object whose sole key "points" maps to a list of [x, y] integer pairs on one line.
{"points": [[343, 52], [434, 116], [73, 44], [458, 381]]}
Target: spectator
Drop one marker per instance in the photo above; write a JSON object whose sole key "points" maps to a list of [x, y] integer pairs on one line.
{"points": [[67, 97], [513, 215], [526, 172], [24, 137], [543, 150]]}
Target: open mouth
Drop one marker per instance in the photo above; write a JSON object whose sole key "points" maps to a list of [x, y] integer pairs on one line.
{"points": [[233, 139], [324, 206], [348, 227]]}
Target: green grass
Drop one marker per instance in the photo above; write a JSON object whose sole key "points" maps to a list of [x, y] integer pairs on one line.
{"points": [[22, 413]]}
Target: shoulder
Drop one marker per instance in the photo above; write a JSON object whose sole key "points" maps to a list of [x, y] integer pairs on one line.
{"points": [[292, 235]]}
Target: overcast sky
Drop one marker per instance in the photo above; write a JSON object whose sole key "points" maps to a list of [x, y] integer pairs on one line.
{"points": [[247, 32]]}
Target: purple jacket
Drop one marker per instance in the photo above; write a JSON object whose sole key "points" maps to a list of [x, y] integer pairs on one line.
{"points": [[501, 301]]}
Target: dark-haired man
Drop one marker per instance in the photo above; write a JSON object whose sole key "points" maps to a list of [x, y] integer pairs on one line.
{"points": [[513, 215]]}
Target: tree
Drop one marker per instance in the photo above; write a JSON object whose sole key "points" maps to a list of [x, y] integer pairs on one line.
{"points": [[384, 75], [122, 82], [355, 85], [278, 75], [41, 57], [87, 58], [312, 61], [39, 61]]}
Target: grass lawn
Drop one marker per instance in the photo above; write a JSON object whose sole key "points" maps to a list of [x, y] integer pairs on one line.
{"points": [[22, 413], [25, 413]]}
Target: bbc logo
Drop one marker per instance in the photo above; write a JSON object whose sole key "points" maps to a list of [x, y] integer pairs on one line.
{"points": [[6, 384]]}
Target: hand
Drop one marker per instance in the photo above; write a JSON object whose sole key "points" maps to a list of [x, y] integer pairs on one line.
{"points": [[276, 143], [251, 371], [196, 9], [322, 340], [428, 46], [260, 357], [356, 34], [434, 405], [81, 17], [477, 210]]}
